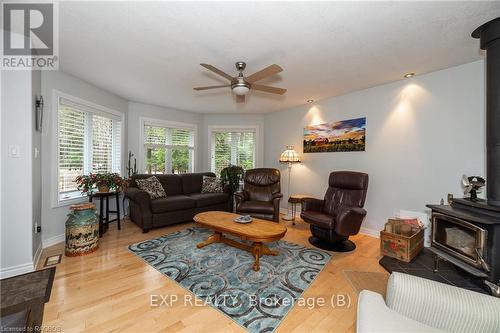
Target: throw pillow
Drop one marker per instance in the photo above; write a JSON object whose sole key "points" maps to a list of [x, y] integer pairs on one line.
{"points": [[211, 185], [153, 186]]}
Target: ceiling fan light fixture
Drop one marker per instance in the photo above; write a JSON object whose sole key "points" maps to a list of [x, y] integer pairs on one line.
{"points": [[240, 88]]}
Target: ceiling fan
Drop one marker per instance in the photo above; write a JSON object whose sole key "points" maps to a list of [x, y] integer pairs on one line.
{"points": [[241, 85]]}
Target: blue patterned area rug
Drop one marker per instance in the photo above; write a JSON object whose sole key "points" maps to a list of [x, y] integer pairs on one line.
{"points": [[222, 276]]}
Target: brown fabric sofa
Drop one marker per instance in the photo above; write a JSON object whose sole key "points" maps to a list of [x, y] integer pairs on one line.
{"points": [[261, 194], [184, 200]]}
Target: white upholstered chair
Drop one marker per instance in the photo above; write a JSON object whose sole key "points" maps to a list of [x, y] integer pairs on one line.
{"points": [[419, 305]]}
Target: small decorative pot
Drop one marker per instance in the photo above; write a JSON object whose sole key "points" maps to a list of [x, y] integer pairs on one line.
{"points": [[103, 188], [82, 230]]}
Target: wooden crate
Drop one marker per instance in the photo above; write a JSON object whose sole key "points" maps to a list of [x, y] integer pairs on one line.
{"points": [[401, 247]]}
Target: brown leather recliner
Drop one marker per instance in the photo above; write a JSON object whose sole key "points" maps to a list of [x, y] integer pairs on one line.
{"points": [[339, 214], [261, 194]]}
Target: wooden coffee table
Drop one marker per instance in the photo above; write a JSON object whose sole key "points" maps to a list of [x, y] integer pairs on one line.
{"points": [[258, 232]]}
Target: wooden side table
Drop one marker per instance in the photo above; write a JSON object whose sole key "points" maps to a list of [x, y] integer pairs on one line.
{"points": [[294, 200], [104, 220]]}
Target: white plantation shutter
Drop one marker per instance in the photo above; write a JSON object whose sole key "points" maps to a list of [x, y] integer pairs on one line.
{"points": [[89, 140], [181, 138], [169, 149], [232, 147], [106, 148], [71, 142], [102, 144]]}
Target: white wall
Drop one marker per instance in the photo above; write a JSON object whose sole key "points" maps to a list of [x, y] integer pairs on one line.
{"points": [[137, 111], [422, 134], [36, 91], [16, 214], [54, 218], [231, 120]]}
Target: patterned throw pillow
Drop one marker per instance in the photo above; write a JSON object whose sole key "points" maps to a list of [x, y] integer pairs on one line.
{"points": [[153, 186], [211, 185]]}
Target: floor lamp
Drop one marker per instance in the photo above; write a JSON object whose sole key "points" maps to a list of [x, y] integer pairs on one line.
{"points": [[289, 156]]}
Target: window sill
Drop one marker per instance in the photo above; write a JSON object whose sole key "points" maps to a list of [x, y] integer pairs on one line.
{"points": [[69, 202]]}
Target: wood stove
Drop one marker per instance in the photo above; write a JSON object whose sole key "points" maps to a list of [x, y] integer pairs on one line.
{"points": [[467, 232], [460, 238]]}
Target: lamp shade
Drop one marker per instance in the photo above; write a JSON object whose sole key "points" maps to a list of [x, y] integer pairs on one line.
{"points": [[289, 155], [241, 90]]}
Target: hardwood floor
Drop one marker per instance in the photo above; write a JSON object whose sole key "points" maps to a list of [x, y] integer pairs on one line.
{"points": [[109, 290]]}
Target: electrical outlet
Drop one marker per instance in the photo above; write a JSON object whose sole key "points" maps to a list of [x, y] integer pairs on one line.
{"points": [[39, 228]]}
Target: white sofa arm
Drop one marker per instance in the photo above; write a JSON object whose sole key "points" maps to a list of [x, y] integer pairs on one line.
{"points": [[443, 306], [375, 317]]}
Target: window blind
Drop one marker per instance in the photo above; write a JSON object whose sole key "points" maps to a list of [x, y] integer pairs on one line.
{"points": [[232, 148], [71, 147], [168, 149], [88, 141]]}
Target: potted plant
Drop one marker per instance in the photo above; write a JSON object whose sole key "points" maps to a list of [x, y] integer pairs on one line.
{"points": [[231, 177], [104, 182]]}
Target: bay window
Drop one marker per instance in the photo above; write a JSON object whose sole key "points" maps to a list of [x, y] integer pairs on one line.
{"points": [[168, 147]]}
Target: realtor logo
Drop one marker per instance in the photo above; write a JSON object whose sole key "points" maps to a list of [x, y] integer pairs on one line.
{"points": [[29, 39]]}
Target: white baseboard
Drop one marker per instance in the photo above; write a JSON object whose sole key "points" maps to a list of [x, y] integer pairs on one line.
{"points": [[53, 240], [16, 270], [369, 232]]}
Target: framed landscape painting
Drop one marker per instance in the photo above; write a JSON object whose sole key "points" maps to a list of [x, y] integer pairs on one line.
{"points": [[344, 135]]}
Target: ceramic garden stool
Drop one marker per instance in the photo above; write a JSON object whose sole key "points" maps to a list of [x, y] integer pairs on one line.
{"points": [[82, 230]]}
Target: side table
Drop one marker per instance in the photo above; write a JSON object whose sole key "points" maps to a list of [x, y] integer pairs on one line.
{"points": [[294, 200], [104, 214]]}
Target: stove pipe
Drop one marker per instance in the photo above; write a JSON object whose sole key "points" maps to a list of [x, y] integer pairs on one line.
{"points": [[489, 35]]}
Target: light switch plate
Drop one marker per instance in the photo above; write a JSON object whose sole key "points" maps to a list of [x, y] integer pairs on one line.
{"points": [[14, 151]]}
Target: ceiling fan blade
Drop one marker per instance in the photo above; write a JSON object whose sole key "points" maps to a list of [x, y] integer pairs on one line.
{"points": [[217, 71], [212, 87], [262, 74], [269, 89], [240, 98]]}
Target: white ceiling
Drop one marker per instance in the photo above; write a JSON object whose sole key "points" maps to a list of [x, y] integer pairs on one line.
{"points": [[150, 51]]}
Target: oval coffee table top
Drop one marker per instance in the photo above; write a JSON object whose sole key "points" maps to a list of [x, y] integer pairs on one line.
{"points": [[257, 231]]}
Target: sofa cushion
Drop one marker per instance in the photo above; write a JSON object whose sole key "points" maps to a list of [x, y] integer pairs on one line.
{"points": [[172, 184], [192, 182], [152, 186], [209, 199], [172, 203], [320, 220], [256, 207], [211, 185]]}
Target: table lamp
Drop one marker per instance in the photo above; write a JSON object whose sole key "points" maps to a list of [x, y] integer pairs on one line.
{"points": [[289, 156]]}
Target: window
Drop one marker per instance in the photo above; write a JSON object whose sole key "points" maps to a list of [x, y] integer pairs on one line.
{"points": [[232, 147], [88, 140], [168, 148]]}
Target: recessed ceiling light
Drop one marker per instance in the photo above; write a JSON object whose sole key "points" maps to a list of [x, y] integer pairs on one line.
{"points": [[409, 75], [310, 100]]}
